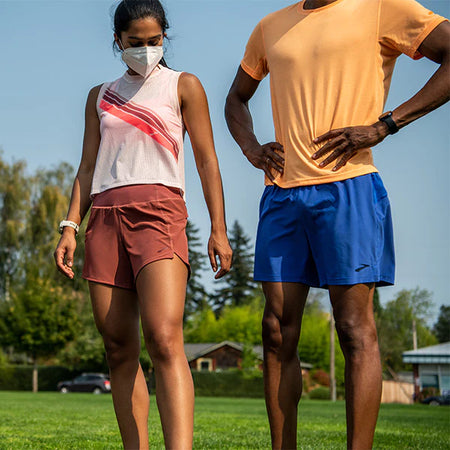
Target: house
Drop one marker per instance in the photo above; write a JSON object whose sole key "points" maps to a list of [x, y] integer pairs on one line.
{"points": [[222, 356], [431, 367]]}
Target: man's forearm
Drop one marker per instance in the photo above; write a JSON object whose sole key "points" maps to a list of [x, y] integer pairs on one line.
{"points": [[240, 123], [434, 94]]}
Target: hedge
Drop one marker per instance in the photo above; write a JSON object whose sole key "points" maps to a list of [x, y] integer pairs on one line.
{"points": [[19, 378], [230, 383]]}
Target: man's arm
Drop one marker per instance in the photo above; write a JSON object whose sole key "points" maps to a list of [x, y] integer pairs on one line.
{"points": [[265, 157], [345, 142]]}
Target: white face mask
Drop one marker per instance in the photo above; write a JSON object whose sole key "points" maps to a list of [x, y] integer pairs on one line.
{"points": [[143, 60]]}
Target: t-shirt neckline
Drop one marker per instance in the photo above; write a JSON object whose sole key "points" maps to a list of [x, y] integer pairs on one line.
{"points": [[316, 10]]}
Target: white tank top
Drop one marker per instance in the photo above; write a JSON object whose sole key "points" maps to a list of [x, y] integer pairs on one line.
{"points": [[141, 131]]}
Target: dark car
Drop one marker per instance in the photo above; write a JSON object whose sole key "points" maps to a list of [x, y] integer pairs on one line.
{"points": [[96, 383], [437, 400]]}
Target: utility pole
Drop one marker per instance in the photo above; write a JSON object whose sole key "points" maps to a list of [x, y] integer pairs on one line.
{"points": [[332, 362], [414, 332]]}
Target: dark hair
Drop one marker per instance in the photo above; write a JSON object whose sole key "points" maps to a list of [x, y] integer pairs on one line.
{"points": [[129, 10]]}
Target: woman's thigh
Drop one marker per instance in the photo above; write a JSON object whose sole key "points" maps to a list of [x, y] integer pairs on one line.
{"points": [[116, 313], [161, 288]]}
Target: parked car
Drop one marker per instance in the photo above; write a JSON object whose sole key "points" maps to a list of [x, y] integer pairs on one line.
{"points": [[96, 383], [437, 400]]}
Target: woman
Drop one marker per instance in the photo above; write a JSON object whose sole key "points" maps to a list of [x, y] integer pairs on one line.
{"points": [[136, 248]]}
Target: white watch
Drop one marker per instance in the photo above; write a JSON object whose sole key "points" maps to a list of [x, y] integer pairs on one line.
{"points": [[68, 223]]}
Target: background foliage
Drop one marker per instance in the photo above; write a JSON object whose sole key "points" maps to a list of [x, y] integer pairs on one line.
{"points": [[46, 319]]}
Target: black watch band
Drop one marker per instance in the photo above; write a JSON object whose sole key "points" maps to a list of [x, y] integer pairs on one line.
{"points": [[389, 121]]}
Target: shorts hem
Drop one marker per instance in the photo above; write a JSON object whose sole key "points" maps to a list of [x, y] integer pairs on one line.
{"points": [[160, 258], [109, 283], [379, 281]]}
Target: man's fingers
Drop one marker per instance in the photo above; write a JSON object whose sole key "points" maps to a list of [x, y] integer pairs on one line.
{"points": [[277, 166], [327, 148], [343, 161], [338, 150], [269, 174], [274, 156], [277, 146], [329, 135]]}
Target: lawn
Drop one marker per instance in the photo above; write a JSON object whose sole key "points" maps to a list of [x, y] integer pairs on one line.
{"points": [[86, 421]]}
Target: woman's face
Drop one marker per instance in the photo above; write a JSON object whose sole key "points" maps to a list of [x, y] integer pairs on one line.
{"points": [[141, 33]]}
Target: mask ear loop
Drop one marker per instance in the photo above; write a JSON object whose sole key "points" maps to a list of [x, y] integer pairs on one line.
{"points": [[123, 48]]}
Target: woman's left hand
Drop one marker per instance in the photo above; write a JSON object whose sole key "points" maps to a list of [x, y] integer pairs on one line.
{"points": [[218, 246], [345, 142]]}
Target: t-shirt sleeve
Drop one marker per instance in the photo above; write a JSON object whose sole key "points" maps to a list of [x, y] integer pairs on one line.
{"points": [[404, 24], [255, 61]]}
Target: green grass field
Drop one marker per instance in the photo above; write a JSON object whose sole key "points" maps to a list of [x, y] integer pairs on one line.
{"points": [[86, 421]]}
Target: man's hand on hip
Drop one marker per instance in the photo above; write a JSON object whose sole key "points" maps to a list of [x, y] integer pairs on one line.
{"points": [[345, 142], [267, 157]]}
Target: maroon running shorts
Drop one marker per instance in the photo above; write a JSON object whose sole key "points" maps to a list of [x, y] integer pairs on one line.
{"points": [[130, 227]]}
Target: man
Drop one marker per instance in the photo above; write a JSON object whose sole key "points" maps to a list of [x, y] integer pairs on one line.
{"points": [[325, 216]]}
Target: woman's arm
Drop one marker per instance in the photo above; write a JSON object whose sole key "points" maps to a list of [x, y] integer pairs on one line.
{"points": [[194, 108], [80, 199]]}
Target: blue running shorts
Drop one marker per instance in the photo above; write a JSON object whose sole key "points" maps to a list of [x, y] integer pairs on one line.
{"points": [[327, 234]]}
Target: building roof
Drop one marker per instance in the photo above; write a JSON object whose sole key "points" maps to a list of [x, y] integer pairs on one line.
{"points": [[435, 354], [194, 351]]}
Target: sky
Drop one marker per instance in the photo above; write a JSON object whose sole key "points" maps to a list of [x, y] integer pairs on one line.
{"points": [[53, 52]]}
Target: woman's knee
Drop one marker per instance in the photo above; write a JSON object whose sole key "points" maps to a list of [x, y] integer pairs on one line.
{"points": [[165, 344], [119, 352]]}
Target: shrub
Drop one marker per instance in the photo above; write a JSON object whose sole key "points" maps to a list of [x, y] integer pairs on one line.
{"points": [[321, 377], [320, 393]]}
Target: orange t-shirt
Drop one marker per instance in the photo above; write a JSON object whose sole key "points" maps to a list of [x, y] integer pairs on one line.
{"points": [[331, 67]]}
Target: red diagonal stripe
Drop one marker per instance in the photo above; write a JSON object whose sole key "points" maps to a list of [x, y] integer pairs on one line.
{"points": [[137, 122], [144, 113], [141, 108]]}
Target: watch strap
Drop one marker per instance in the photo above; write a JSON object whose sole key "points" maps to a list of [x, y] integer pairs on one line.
{"points": [[389, 121], [68, 223]]}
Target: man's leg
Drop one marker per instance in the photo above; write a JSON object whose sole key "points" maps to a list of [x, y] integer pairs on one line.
{"points": [[355, 324], [282, 373]]}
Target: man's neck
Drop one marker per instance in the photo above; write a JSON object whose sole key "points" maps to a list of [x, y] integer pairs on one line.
{"points": [[314, 4]]}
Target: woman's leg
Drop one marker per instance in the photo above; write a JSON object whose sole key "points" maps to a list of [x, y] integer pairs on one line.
{"points": [[116, 313], [161, 288]]}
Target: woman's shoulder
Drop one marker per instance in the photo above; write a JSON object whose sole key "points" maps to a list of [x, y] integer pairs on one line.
{"points": [[189, 81]]}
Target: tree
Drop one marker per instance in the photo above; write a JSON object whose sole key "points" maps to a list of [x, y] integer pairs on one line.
{"points": [[236, 323], [14, 207], [394, 325], [238, 285], [195, 292], [38, 321], [442, 326]]}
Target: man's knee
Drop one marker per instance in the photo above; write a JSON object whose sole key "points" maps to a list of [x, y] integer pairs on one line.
{"points": [[278, 337], [356, 337]]}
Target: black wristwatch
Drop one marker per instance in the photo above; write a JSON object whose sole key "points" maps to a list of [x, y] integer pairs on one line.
{"points": [[389, 121]]}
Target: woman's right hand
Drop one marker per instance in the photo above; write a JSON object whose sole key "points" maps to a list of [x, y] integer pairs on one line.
{"points": [[64, 252]]}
